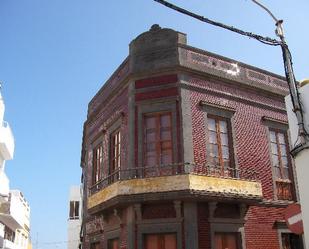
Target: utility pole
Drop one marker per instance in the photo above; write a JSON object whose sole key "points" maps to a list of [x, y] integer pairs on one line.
{"points": [[297, 110], [37, 241]]}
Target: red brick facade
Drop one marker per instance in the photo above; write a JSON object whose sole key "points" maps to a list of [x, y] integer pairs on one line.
{"points": [[189, 84]]}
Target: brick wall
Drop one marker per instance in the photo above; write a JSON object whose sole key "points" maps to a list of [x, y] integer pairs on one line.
{"points": [[259, 228], [250, 134]]}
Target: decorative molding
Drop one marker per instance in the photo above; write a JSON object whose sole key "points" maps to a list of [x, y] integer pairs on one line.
{"points": [[138, 212], [119, 75], [269, 121], [216, 106], [117, 213]]}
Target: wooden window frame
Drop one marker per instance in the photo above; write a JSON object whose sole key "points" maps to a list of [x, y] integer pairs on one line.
{"points": [[158, 140], [115, 151], [288, 237], [236, 234], [284, 186], [97, 164], [161, 238], [230, 140], [74, 210], [109, 241]]}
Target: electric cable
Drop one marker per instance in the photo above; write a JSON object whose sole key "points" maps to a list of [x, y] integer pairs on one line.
{"points": [[265, 40]]}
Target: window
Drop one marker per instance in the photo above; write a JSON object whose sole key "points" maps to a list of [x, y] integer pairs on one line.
{"points": [[280, 162], [9, 234], [113, 244], [74, 210], [160, 241], [115, 151], [97, 164], [227, 241], [220, 142], [291, 241], [158, 139]]}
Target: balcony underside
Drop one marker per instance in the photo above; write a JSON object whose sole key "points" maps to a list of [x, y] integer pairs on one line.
{"points": [[175, 186], [10, 221]]}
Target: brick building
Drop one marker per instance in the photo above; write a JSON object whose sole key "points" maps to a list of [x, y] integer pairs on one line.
{"points": [[186, 149]]}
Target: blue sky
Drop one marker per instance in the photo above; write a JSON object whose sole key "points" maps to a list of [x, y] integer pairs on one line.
{"points": [[55, 55]]}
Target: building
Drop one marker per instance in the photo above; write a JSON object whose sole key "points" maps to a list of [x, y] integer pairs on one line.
{"points": [[14, 209], [74, 220], [6, 151], [183, 148]]}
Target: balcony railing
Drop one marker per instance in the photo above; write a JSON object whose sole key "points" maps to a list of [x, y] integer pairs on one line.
{"points": [[6, 140], [284, 190], [174, 169]]}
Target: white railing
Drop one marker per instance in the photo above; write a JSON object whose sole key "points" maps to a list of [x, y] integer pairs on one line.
{"points": [[7, 244]]}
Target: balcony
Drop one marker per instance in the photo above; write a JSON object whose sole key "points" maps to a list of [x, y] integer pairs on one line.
{"points": [[6, 141], [15, 213], [191, 180]]}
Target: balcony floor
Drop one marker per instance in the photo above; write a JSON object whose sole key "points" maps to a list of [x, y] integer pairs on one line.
{"points": [[191, 184]]}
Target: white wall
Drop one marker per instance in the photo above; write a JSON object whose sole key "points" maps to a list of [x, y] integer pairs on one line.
{"points": [[4, 186], [2, 107], [302, 158], [304, 97], [74, 225], [73, 233]]}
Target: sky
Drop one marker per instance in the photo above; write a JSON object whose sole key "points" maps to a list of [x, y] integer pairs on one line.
{"points": [[55, 55]]}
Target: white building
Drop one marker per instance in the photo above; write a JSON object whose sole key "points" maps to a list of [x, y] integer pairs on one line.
{"points": [[6, 152], [75, 217], [14, 209]]}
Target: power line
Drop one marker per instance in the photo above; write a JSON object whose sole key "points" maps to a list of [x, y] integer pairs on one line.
{"points": [[287, 59], [58, 242], [266, 40]]}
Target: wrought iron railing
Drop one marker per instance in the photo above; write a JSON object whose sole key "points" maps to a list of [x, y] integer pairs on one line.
{"points": [[174, 169], [284, 190]]}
